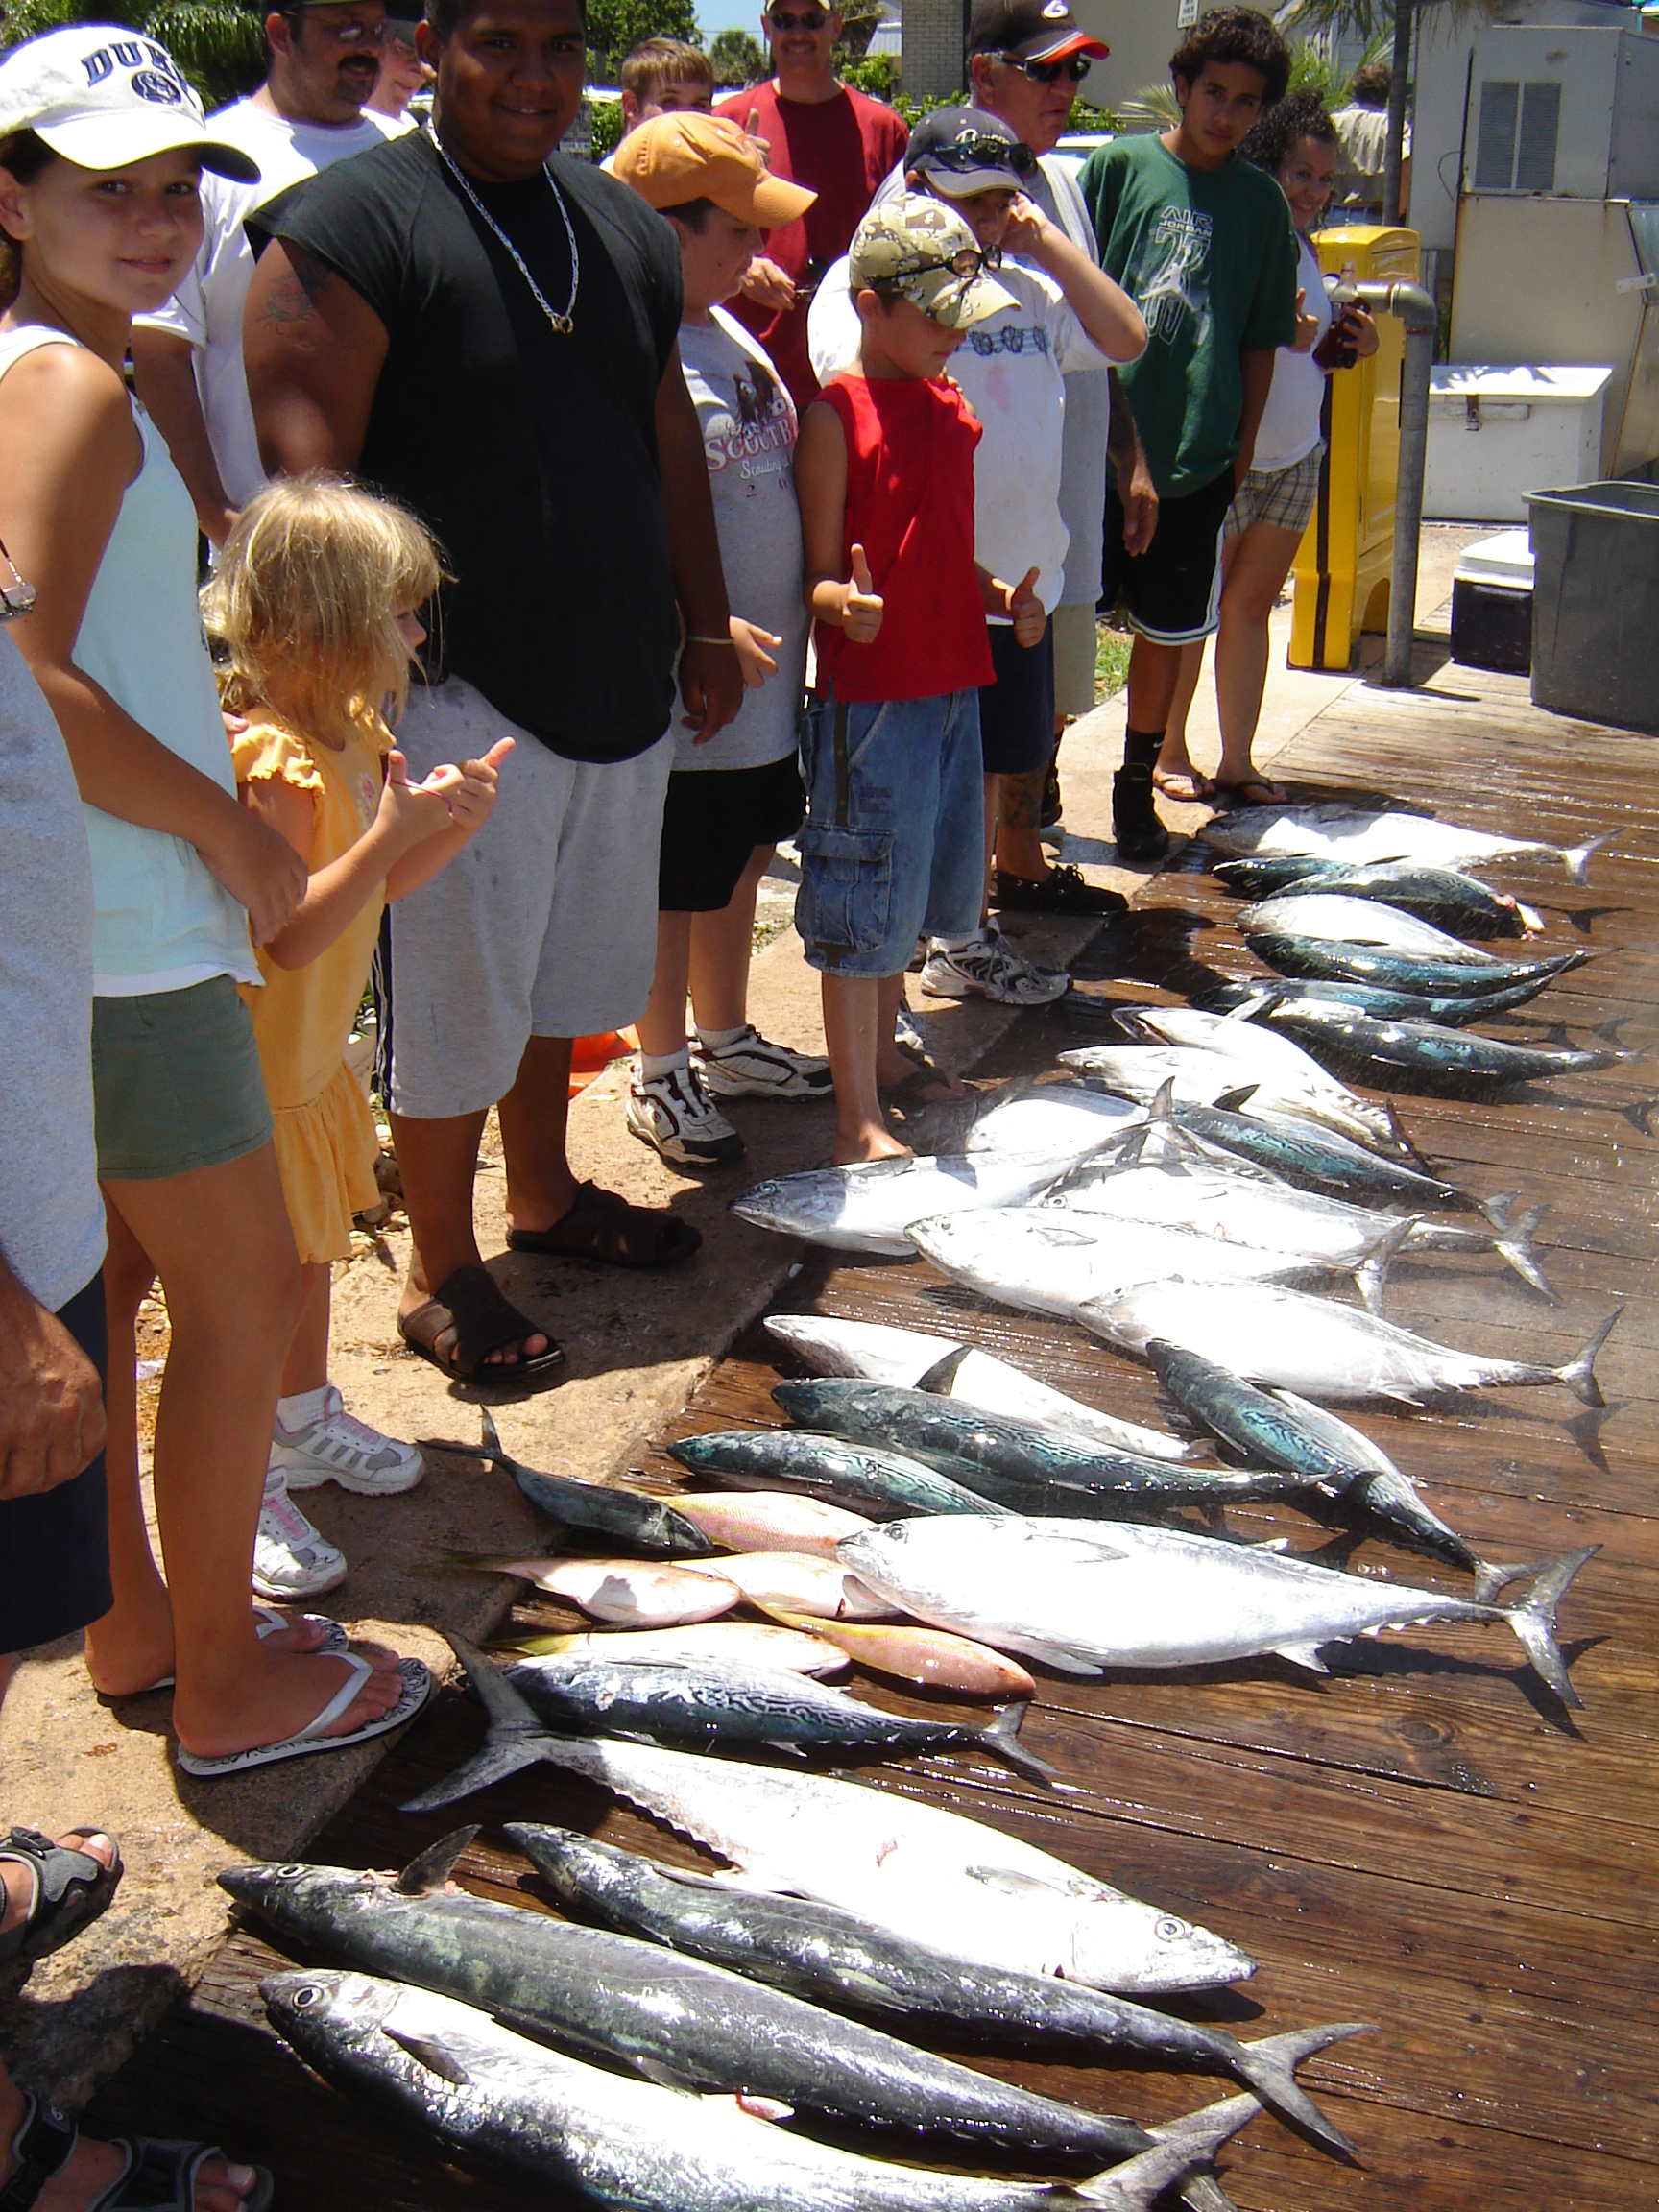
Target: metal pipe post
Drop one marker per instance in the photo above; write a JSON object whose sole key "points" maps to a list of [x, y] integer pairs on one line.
{"points": [[1421, 318]]}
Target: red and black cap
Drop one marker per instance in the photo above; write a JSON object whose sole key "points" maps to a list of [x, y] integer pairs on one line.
{"points": [[1030, 31]]}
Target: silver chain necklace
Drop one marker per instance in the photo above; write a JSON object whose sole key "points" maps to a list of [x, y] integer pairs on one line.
{"points": [[564, 323]]}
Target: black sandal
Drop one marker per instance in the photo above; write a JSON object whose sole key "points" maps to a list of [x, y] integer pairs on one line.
{"points": [[468, 1318], [158, 2175], [599, 1226], [71, 1888]]}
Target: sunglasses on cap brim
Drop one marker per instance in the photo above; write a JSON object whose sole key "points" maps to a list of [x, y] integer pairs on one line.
{"points": [[1075, 67], [962, 155]]}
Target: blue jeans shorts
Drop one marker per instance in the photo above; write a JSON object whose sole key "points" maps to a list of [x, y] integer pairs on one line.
{"points": [[893, 847]]}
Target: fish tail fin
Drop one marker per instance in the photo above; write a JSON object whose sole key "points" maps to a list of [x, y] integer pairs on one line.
{"points": [[1398, 1131], [492, 1764], [1533, 1620], [1002, 1737], [517, 1737], [1494, 1575], [1512, 1240], [429, 1869], [1580, 1372], [1372, 1272], [1183, 2146], [1577, 857], [1269, 2068], [491, 1448], [505, 1705]]}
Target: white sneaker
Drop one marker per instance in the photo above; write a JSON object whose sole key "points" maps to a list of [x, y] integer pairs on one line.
{"points": [[675, 1114], [339, 1448], [291, 1559], [752, 1067], [907, 1031], [988, 966]]}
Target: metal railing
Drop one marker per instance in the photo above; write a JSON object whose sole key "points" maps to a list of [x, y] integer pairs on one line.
{"points": [[1418, 312]]}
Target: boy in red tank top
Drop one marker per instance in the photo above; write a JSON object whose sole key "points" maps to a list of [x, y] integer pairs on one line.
{"points": [[893, 847]]}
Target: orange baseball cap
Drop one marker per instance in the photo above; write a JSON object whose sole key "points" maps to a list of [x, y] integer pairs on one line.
{"points": [[685, 157]]}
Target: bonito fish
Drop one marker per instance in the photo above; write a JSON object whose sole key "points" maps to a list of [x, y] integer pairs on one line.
{"points": [[1277, 1429], [494, 2097], [595, 1509], [826, 1466], [1386, 1004], [867, 1208], [1085, 1600], [1323, 959], [835, 1959], [1051, 1121], [1338, 920], [1271, 1061], [1443, 895], [935, 1876], [1332, 1353], [1452, 1062], [1334, 830], [705, 1708], [909, 1359], [1052, 1260]]}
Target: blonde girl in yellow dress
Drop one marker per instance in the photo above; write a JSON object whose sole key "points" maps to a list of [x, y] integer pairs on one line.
{"points": [[312, 613]]}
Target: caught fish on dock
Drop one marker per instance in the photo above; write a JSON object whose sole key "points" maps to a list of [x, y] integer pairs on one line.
{"points": [[1085, 1600], [494, 2096], [798, 1582], [1326, 961], [868, 1207], [1441, 895], [910, 1358], [1335, 830], [931, 1657], [1454, 1063], [718, 1707], [1277, 1429], [632, 1591], [738, 1643], [1335, 918], [1334, 1354], [826, 1466], [938, 1876], [752, 1521], [833, 1958], [1453, 1009], [593, 1509]]}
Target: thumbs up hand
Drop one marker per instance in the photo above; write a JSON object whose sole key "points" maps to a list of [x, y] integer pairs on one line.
{"points": [[862, 608], [1025, 610], [752, 130], [1307, 327]]}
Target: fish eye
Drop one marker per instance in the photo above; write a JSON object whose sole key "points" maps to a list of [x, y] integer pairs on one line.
{"points": [[1169, 1929], [305, 1998], [289, 1873]]}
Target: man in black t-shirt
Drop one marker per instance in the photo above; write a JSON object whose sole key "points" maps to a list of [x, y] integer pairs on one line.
{"points": [[487, 332]]}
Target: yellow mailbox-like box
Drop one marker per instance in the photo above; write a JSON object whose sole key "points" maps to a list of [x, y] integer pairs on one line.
{"points": [[1342, 563]]}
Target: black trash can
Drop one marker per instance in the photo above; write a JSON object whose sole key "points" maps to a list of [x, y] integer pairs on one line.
{"points": [[1596, 603]]}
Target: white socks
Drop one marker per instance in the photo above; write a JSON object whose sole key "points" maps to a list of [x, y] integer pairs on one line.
{"points": [[303, 1409], [717, 1040], [652, 1065]]}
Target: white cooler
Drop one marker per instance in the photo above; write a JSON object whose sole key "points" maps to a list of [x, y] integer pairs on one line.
{"points": [[1496, 434], [1492, 604]]}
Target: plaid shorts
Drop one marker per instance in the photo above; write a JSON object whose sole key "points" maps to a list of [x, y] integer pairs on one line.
{"points": [[1283, 498]]}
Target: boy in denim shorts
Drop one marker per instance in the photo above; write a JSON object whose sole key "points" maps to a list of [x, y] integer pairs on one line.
{"points": [[893, 848]]}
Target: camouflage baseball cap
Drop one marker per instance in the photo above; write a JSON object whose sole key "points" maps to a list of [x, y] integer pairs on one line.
{"points": [[925, 251]]}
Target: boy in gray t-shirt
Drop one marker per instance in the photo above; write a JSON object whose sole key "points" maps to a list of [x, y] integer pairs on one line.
{"points": [[732, 797]]}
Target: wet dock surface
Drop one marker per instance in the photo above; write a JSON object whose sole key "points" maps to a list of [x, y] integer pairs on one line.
{"points": [[1425, 1839]]}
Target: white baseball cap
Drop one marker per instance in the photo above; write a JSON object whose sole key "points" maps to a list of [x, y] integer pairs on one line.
{"points": [[105, 96]]}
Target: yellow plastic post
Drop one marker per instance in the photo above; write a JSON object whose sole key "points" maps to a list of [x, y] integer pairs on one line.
{"points": [[1341, 565]]}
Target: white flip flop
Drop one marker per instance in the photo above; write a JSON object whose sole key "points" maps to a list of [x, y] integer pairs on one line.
{"points": [[416, 1689], [268, 1622]]}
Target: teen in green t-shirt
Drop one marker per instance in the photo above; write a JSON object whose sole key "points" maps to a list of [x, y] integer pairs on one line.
{"points": [[1205, 247]]}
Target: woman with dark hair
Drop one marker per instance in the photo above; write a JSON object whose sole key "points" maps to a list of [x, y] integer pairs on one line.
{"points": [[1296, 143]]}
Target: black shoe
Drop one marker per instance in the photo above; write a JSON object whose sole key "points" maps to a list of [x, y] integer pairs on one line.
{"points": [[1136, 829], [1053, 812], [1062, 890]]}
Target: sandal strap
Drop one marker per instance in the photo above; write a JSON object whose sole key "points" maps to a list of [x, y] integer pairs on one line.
{"points": [[58, 1870], [159, 2176], [43, 2146]]}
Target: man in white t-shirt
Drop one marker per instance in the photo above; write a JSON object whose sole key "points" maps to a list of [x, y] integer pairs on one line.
{"points": [[187, 359]]}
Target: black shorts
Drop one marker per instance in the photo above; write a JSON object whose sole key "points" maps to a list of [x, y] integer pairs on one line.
{"points": [[1016, 712], [55, 1545], [1173, 590], [713, 819]]}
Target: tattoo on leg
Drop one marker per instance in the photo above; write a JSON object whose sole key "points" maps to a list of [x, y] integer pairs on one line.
{"points": [[1022, 800]]}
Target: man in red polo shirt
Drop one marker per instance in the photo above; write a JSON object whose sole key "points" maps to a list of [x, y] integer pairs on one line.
{"points": [[821, 133]]}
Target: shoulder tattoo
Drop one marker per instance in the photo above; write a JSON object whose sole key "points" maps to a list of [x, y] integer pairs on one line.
{"points": [[293, 296]]}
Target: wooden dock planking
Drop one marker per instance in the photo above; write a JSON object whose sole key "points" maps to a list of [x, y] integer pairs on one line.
{"points": [[1423, 1840]]}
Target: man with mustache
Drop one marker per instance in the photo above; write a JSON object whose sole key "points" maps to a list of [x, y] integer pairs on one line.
{"points": [[187, 358]]}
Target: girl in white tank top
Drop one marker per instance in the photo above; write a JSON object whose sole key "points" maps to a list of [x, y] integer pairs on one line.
{"points": [[95, 515]]}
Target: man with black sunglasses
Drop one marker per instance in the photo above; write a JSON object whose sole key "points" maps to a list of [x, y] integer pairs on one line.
{"points": [[187, 356], [821, 133]]}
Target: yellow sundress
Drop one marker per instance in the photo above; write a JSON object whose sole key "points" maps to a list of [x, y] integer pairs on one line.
{"points": [[324, 1133]]}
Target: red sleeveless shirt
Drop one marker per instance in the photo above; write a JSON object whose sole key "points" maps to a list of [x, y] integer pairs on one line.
{"points": [[910, 505]]}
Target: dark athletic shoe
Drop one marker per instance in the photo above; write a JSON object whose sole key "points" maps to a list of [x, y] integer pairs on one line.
{"points": [[1062, 890], [1136, 829]]}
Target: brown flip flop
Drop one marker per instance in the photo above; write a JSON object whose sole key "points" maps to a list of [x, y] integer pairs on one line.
{"points": [[601, 1225], [1166, 780], [466, 1319]]}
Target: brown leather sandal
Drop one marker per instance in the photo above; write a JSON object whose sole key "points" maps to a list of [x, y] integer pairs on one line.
{"points": [[601, 1225], [467, 1318]]}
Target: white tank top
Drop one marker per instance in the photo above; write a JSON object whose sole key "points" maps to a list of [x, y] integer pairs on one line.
{"points": [[161, 921]]}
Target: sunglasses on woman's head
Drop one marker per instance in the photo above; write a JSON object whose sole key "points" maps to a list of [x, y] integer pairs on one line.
{"points": [[1075, 67], [964, 153]]}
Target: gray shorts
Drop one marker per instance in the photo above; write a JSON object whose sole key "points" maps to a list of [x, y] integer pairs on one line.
{"points": [[545, 926]]}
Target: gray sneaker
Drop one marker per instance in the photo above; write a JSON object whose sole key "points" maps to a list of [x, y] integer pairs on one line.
{"points": [[339, 1448], [752, 1067], [291, 1559], [675, 1115], [988, 966]]}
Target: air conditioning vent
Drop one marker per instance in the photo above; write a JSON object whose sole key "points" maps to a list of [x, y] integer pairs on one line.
{"points": [[1516, 135]]}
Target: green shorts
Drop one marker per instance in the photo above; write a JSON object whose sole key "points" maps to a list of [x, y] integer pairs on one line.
{"points": [[175, 1082]]}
